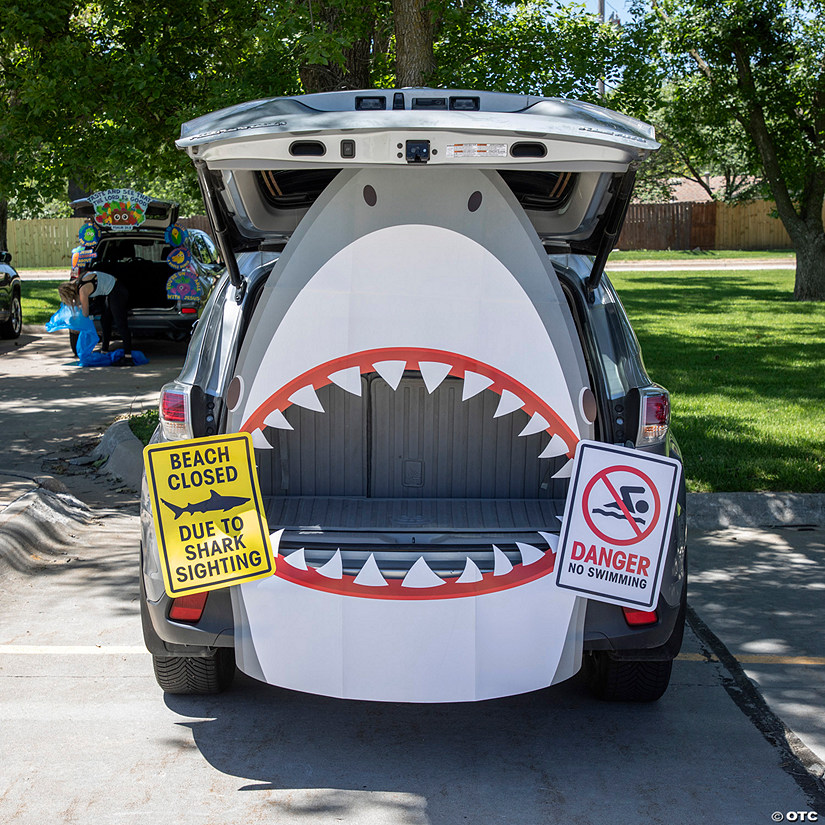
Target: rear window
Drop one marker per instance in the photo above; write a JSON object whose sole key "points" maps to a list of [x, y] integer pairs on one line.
{"points": [[540, 190], [125, 250], [294, 188]]}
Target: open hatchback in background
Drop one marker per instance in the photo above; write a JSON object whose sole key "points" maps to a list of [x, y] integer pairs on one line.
{"points": [[415, 330], [137, 253]]}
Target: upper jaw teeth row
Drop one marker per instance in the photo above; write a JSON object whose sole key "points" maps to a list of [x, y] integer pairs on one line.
{"points": [[433, 373], [421, 575]]}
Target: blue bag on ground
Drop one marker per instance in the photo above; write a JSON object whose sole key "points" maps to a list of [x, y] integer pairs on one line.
{"points": [[73, 318]]}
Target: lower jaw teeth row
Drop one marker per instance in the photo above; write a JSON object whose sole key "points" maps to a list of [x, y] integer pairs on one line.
{"points": [[421, 575]]}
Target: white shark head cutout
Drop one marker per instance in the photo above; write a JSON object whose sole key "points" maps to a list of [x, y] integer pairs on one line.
{"points": [[469, 297]]}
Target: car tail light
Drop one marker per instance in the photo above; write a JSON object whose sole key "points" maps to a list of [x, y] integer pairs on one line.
{"points": [[175, 421], [188, 608], [654, 416], [637, 618], [189, 310]]}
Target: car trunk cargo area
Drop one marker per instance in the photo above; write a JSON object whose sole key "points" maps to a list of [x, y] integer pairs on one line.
{"points": [[408, 460]]}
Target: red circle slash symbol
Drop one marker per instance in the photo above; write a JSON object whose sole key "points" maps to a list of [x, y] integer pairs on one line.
{"points": [[628, 503]]}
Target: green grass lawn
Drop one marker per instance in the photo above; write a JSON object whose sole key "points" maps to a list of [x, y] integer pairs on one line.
{"points": [[40, 301], [745, 365], [708, 255]]}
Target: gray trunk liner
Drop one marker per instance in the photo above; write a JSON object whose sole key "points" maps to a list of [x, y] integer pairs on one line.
{"points": [[409, 460]]}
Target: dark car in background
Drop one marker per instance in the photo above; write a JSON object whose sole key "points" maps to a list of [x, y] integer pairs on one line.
{"points": [[11, 312], [138, 256], [416, 332]]}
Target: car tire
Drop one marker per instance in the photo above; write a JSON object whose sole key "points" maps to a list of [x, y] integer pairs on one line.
{"points": [[626, 681], [196, 674], [13, 327]]}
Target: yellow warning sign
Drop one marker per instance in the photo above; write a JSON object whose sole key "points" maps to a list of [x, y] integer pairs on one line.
{"points": [[207, 509]]}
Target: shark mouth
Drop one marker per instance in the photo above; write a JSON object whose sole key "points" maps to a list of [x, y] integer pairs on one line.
{"points": [[420, 581]]}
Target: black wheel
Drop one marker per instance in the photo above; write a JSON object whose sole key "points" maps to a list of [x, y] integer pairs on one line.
{"points": [[14, 325], [73, 336], [196, 674], [626, 681]]}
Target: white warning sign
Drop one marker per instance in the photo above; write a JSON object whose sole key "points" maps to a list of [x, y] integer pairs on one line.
{"points": [[617, 524]]}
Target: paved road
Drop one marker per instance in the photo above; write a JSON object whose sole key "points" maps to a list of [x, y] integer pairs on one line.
{"points": [[88, 737]]}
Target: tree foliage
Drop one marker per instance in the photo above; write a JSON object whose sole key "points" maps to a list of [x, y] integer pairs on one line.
{"points": [[744, 80]]}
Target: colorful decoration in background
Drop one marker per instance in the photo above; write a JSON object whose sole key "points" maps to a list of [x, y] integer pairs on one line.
{"points": [[88, 234], [183, 285], [82, 256], [179, 258], [119, 209], [176, 235]]}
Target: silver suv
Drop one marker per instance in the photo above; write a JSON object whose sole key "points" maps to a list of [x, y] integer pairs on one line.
{"points": [[416, 330]]}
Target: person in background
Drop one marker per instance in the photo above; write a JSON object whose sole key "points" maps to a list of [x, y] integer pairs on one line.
{"points": [[93, 284]]}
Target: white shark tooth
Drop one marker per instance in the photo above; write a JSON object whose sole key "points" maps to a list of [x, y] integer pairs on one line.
{"points": [[307, 398], [348, 379], [471, 573], [275, 541], [474, 383], [538, 423], [370, 575], [552, 539], [555, 447], [560, 518], [565, 471], [529, 554], [278, 420], [433, 373], [297, 559], [502, 565], [334, 568], [509, 402], [259, 441], [391, 371], [421, 575]]}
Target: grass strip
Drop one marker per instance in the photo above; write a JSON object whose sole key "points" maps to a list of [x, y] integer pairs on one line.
{"points": [[745, 365], [709, 255], [39, 300], [144, 424]]}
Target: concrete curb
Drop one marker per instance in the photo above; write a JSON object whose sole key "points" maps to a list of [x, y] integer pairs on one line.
{"points": [[36, 528], [708, 511], [124, 453]]}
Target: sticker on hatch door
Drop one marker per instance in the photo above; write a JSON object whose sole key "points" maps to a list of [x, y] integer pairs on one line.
{"points": [[477, 150]]}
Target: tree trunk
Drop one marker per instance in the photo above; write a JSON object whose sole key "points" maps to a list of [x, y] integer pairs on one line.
{"points": [[810, 264], [4, 224], [414, 32]]}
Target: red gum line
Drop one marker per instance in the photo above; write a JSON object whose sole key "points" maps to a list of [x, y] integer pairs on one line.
{"points": [[394, 590], [365, 360]]}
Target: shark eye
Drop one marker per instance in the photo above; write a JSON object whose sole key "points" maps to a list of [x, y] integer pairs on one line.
{"points": [[474, 202], [370, 196]]}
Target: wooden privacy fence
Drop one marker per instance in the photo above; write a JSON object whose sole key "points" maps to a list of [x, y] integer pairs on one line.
{"points": [[704, 225], [49, 242], [40, 243]]}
